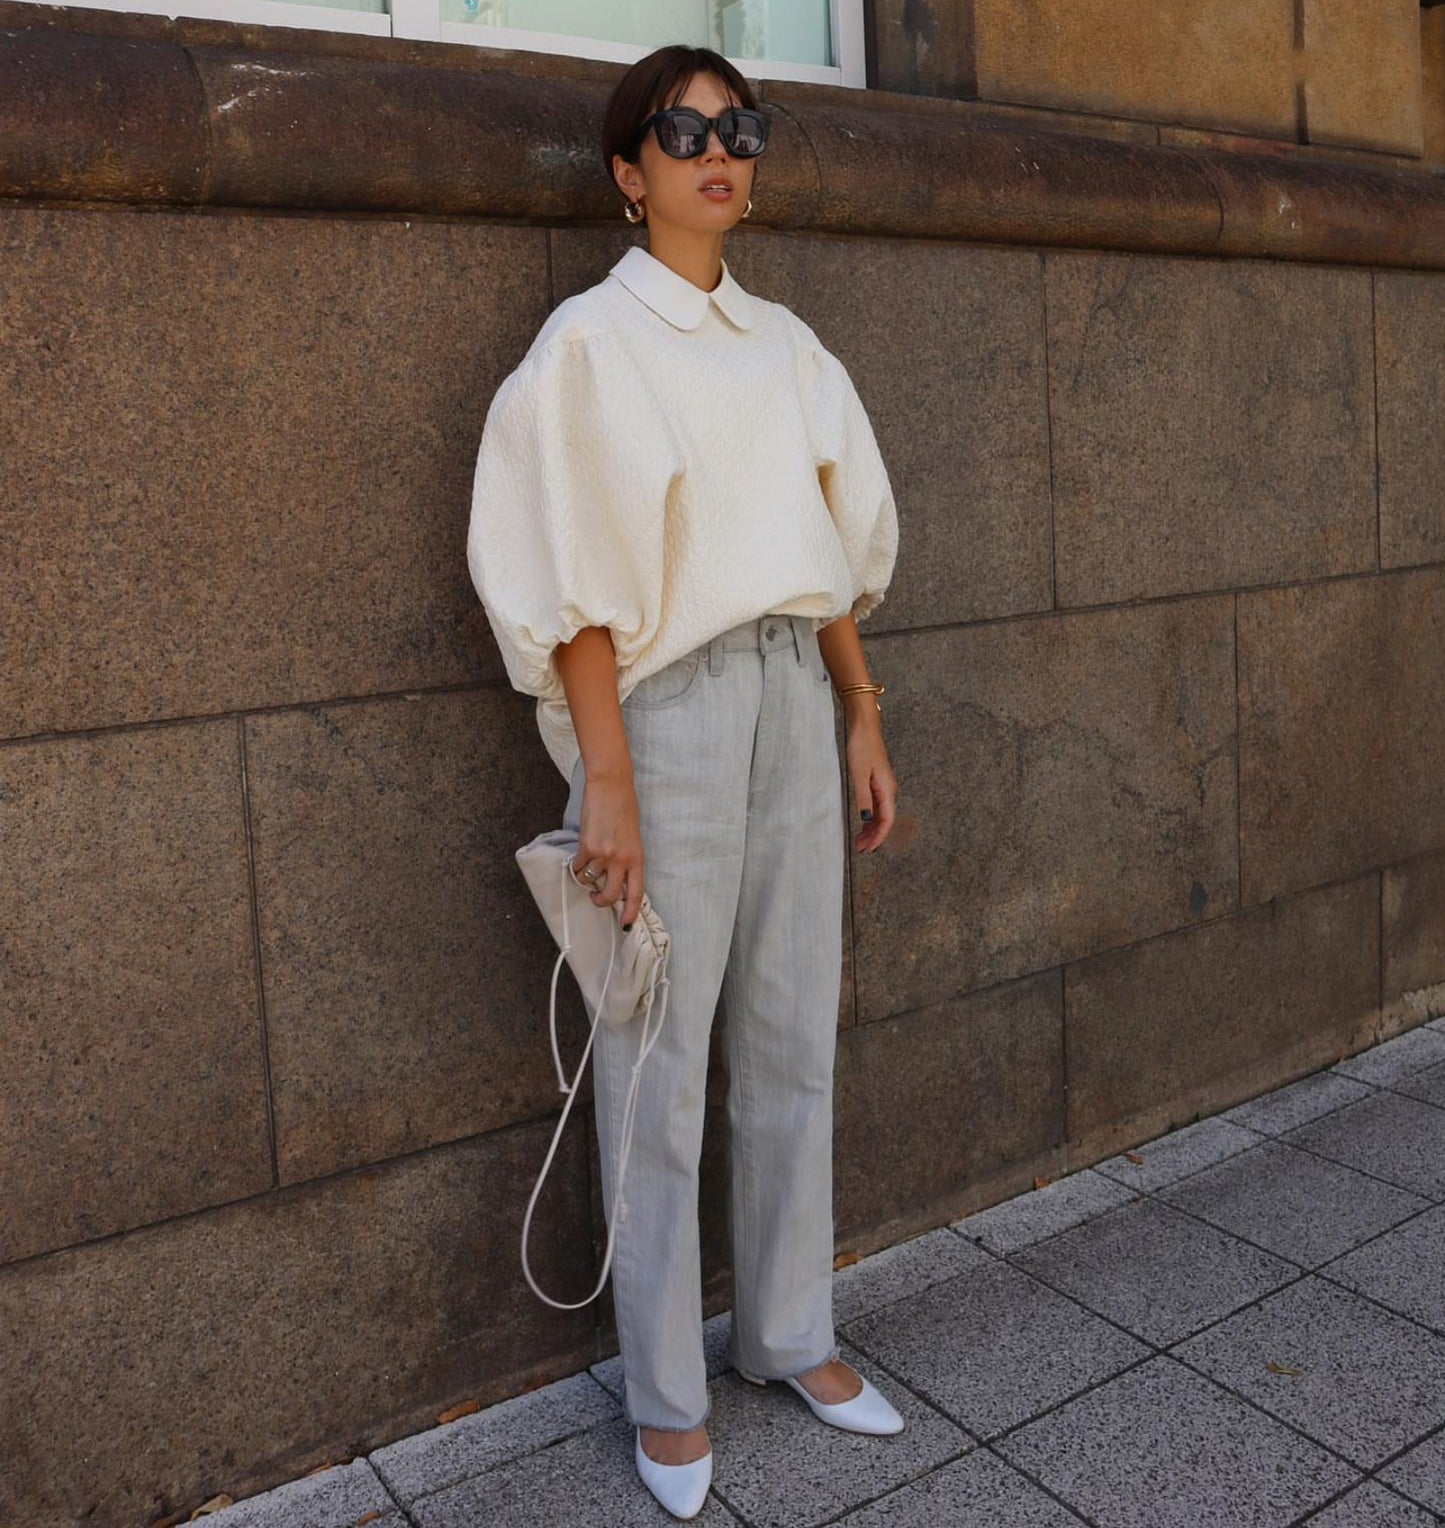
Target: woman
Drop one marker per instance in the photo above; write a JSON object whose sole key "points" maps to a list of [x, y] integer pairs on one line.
{"points": [[678, 515]]}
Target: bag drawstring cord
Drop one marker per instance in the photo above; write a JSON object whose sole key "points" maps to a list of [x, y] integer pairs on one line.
{"points": [[629, 1112]]}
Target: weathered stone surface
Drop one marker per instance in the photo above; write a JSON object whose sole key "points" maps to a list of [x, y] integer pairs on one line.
{"points": [[1229, 65], [923, 47], [1432, 51], [945, 346], [139, 128], [1410, 363], [133, 1086], [944, 1110], [1413, 923], [1193, 1022], [1244, 146], [938, 174], [406, 966], [239, 454], [1341, 728], [1213, 424], [236, 1350], [800, 96], [1066, 784], [1326, 205], [1362, 81], [846, 163]]}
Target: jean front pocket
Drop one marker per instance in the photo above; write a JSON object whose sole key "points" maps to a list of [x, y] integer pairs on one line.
{"points": [[819, 667], [668, 686]]}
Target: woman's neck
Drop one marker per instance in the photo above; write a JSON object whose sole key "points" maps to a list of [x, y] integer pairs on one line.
{"points": [[697, 257]]}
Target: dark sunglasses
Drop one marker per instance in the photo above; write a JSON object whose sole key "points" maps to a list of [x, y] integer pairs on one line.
{"points": [[682, 133]]}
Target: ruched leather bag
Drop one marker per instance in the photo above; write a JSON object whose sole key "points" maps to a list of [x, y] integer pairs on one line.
{"points": [[620, 976]]}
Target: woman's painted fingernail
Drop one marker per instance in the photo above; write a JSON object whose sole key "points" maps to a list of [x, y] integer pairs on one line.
{"points": [[865, 814], [626, 928]]}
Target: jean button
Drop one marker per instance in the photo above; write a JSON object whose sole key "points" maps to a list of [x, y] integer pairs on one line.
{"points": [[772, 632]]}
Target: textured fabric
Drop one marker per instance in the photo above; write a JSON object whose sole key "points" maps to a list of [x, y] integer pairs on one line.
{"points": [[741, 802], [668, 462]]}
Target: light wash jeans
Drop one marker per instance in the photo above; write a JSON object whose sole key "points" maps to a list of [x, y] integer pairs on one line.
{"points": [[743, 840]]}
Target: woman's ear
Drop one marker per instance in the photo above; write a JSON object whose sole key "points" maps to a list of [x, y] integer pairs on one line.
{"points": [[628, 177]]}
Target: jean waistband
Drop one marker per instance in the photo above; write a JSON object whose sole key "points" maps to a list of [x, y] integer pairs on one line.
{"points": [[768, 633]]}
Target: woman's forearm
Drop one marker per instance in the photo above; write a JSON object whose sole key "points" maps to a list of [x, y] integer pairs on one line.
{"points": [[842, 651], [588, 668]]}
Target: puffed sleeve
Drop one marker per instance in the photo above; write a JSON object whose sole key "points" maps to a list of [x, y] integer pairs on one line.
{"points": [[851, 472], [568, 506]]}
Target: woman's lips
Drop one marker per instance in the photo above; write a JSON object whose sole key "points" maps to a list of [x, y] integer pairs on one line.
{"points": [[719, 194]]}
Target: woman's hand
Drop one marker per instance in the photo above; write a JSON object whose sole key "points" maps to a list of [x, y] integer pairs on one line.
{"points": [[870, 775], [610, 840]]}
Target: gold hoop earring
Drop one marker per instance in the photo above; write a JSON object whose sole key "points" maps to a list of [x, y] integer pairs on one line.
{"points": [[633, 212], [747, 209]]}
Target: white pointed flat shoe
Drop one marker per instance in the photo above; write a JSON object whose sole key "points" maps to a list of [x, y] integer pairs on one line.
{"points": [[681, 1488], [870, 1411]]}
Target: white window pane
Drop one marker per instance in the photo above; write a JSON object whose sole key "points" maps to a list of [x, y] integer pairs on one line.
{"points": [[792, 31]]}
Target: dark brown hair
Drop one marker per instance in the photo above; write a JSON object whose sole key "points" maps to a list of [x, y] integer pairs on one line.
{"points": [[651, 83]]}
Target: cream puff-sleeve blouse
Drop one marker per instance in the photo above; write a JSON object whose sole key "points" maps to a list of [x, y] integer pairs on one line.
{"points": [[669, 462]]}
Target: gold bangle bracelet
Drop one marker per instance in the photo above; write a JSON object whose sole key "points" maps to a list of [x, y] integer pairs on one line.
{"points": [[875, 690]]}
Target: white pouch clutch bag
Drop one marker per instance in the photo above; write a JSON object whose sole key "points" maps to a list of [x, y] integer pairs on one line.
{"points": [[619, 975]]}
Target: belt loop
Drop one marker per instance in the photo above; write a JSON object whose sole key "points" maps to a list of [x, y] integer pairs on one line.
{"points": [[799, 626], [715, 656]]}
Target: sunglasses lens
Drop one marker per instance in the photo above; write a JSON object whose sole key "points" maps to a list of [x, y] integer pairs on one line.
{"points": [[744, 132], [681, 133]]}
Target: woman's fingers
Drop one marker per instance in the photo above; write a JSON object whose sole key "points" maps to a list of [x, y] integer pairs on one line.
{"points": [[610, 843]]}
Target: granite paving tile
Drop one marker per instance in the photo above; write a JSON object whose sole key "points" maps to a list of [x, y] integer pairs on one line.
{"points": [[1297, 1103], [430, 1461], [1163, 1447], [1397, 1059], [1397, 1139], [1178, 1153], [777, 1466], [1403, 1269], [336, 1498], [1357, 1378], [1041, 1212], [1126, 1265], [1420, 1473], [1371, 1506], [993, 1347], [1428, 1086], [1293, 1203], [581, 1482], [977, 1491], [899, 1271]]}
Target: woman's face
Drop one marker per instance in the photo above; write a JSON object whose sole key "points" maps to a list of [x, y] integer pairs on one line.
{"points": [[671, 189]]}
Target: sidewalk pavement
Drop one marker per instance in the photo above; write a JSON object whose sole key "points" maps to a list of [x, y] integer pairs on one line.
{"points": [[1240, 1323]]}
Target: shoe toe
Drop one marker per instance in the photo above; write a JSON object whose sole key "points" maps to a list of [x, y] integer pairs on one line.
{"points": [[681, 1488]]}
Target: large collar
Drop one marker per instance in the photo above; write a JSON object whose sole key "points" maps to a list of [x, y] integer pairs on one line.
{"points": [[674, 297]]}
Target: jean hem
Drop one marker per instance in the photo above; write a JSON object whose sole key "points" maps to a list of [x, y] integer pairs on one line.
{"points": [[663, 1426], [794, 1374]]}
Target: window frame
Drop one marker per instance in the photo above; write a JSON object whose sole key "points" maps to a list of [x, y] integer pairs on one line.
{"points": [[421, 21]]}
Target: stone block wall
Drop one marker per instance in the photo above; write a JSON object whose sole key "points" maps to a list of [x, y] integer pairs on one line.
{"points": [[1165, 657], [1329, 72]]}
